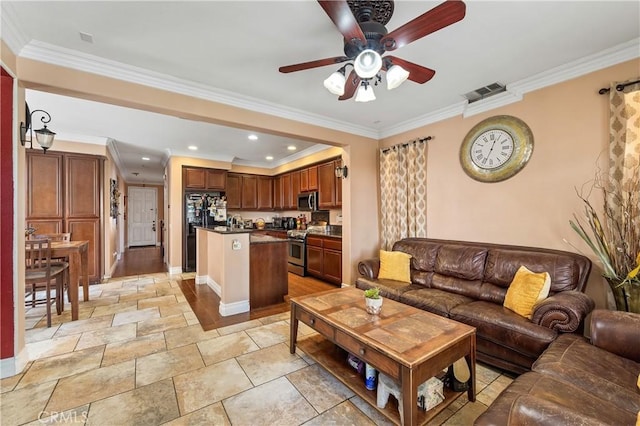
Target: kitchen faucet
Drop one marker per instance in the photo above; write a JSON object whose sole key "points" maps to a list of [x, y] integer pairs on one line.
{"points": [[236, 221]]}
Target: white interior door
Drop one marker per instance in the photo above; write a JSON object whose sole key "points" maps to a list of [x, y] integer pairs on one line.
{"points": [[142, 216]]}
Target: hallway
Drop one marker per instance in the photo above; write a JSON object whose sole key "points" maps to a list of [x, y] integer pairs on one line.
{"points": [[140, 261]]}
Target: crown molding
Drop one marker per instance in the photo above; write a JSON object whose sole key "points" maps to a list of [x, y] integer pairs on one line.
{"points": [[45, 52], [112, 147], [93, 140], [10, 33], [516, 90]]}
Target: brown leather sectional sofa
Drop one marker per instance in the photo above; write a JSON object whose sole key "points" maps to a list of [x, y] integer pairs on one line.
{"points": [[467, 282], [577, 382]]}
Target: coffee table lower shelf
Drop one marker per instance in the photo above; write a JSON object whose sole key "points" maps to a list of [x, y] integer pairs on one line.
{"points": [[333, 358]]}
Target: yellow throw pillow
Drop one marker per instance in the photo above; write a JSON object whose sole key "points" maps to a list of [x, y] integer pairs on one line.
{"points": [[527, 289], [395, 265]]}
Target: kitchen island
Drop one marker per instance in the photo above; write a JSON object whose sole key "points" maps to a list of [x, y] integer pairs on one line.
{"points": [[246, 271]]}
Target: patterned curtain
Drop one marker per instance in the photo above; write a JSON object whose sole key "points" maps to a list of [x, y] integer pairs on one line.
{"points": [[403, 192], [622, 203]]}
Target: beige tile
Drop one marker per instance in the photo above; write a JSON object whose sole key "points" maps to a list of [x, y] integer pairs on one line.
{"points": [[267, 364], [157, 301], [83, 314], [205, 386], [75, 416], [40, 333], [107, 335], [124, 294], [467, 415], [177, 309], [285, 316], [9, 383], [155, 325], [213, 414], [485, 375], [159, 366], [56, 367], [270, 334], [80, 326], [225, 347], [319, 387], [491, 392], [102, 301], [92, 385], [149, 405], [135, 316], [25, 404], [344, 414], [442, 417], [191, 318], [130, 349], [371, 412], [276, 402], [52, 347], [187, 335], [239, 327], [114, 308], [170, 290]]}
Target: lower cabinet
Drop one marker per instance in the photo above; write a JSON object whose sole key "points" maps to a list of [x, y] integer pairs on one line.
{"points": [[324, 258]]}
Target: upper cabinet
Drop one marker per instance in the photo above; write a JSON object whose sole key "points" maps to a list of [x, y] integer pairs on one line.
{"points": [[329, 186], [234, 191], [265, 193], [204, 179], [309, 179]]}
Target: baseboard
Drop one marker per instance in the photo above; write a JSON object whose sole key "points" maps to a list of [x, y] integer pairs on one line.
{"points": [[14, 365], [234, 308], [214, 286], [201, 279], [343, 285], [175, 270]]}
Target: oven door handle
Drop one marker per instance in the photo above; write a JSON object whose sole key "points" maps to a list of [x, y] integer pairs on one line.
{"points": [[296, 240]]}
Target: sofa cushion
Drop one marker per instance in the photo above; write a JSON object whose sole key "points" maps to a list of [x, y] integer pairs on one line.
{"points": [[388, 288], [395, 265], [461, 262], [610, 377], [527, 289], [503, 327], [433, 300], [539, 399], [423, 252]]}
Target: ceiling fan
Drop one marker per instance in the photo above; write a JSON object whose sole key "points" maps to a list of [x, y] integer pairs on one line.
{"points": [[362, 23]]}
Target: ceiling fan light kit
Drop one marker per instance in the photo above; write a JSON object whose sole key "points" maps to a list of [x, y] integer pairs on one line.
{"points": [[362, 25]]}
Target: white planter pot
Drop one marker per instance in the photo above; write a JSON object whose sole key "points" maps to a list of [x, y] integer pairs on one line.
{"points": [[373, 306]]}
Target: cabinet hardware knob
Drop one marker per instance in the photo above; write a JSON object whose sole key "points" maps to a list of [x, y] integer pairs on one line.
{"points": [[361, 351], [313, 321]]}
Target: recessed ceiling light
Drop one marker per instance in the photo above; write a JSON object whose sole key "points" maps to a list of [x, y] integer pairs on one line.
{"points": [[193, 147], [291, 148], [146, 158], [269, 158], [253, 137]]}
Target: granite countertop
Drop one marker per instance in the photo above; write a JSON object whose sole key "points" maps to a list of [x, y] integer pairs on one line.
{"points": [[225, 230], [327, 234]]}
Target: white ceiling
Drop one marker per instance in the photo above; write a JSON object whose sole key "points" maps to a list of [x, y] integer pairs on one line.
{"points": [[230, 51]]}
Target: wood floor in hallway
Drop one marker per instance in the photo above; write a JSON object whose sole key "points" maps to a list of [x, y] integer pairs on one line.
{"points": [[202, 299]]}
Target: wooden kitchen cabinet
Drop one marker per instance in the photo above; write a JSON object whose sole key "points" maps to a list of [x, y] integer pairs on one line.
{"points": [[265, 193], [286, 191], [249, 192], [324, 258], [338, 186], [234, 191], [197, 178], [64, 194], [326, 185], [295, 189], [277, 193], [313, 178]]}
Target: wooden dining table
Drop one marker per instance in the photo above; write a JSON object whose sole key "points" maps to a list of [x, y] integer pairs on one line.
{"points": [[78, 254]]}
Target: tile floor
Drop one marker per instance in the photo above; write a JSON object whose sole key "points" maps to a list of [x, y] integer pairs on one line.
{"points": [[138, 356]]}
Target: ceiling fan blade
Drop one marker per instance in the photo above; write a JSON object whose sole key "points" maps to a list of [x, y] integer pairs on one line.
{"points": [[417, 73], [313, 64], [437, 18], [352, 83], [343, 19]]}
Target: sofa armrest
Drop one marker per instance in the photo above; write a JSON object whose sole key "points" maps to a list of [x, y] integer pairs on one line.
{"points": [[369, 268], [529, 409], [616, 332], [564, 311]]}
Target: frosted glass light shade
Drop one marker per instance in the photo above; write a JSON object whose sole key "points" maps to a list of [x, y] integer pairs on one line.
{"points": [[335, 83], [367, 63], [365, 93], [45, 137], [396, 75]]}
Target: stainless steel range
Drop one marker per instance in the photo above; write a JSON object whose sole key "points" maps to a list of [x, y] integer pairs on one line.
{"points": [[297, 255]]}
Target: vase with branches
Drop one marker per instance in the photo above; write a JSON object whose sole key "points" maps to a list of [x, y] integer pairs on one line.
{"points": [[615, 240]]}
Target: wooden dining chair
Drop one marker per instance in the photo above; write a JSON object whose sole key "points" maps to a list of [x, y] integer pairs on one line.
{"points": [[40, 271], [58, 261]]}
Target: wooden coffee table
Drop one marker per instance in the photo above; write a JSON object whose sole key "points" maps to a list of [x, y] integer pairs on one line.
{"points": [[407, 344]]}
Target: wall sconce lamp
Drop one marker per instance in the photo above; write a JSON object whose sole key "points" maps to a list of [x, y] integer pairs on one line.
{"points": [[44, 136], [342, 172]]}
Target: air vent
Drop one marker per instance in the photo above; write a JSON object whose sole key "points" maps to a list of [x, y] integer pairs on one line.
{"points": [[484, 92]]}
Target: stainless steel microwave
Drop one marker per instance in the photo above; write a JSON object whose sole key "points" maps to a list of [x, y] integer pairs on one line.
{"points": [[308, 202]]}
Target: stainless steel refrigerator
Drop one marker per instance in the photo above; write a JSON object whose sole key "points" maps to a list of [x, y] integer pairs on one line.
{"points": [[200, 209]]}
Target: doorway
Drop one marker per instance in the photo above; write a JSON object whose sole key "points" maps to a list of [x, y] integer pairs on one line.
{"points": [[143, 213]]}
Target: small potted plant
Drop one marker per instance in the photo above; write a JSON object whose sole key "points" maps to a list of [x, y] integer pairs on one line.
{"points": [[373, 301]]}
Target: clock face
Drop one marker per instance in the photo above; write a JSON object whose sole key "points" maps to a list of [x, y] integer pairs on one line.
{"points": [[496, 148], [491, 149]]}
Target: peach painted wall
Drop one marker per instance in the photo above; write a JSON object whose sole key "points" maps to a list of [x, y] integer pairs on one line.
{"points": [[569, 122]]}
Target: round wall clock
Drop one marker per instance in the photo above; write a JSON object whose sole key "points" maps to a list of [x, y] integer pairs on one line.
{"points": [[496, 148]]}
